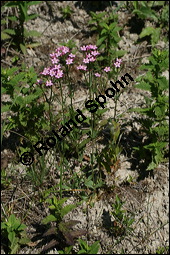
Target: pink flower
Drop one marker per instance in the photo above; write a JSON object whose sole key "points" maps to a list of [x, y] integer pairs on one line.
{"points": [[91, 47], [107, 69], [92, 59], [117, 64], [88, 55], [83, 48], [56, 67], [52, 72], [57, 54], [65, 50], [69, 61], [97, 74], [55, 60], [86, 60], [53, 55], [72, 55], [59, 74], [95, 53], [46, 71], [119, 60], [49, 83], [82, 67]]}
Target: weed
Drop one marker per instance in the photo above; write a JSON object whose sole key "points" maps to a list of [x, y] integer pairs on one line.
{"points": [[156, 111], [122, 223], [57, 213], [66, 12], [20, 34], [13, 235]]}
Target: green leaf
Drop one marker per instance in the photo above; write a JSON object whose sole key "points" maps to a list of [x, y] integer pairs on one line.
{"points": [[143, 86], [31, 16], [23, 48], [13, 18], [33, 45], [22, 227], [116, 29], [67, 209], [5, 36], [31, 33], [3, 225], [120, 53], [147, 31], [83, 143], [103, 31], [140, 110], [11, 236], [5, 108], [33, 2], [48, 219], [111, 26], [163, 83], [102, 24], [101, 40], [151, 166], [146, 12], [9, 31], [94, 248], [20, 100], [24, 240]]}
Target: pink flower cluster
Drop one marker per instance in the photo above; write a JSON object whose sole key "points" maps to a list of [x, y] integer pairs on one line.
{"points": [[55, 70], [91, 53], [118, 62]]}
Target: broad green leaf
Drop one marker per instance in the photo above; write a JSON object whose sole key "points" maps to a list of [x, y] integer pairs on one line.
{"points": [[31, 33], [11, 220], [5, 108], [11, 236], [151, 166], [94, 248], [93, 28], [20, 100], [147, 31], [48, 219], [24, 240], [23, 48], [11, 4], [5, 36], [163, 83], [67, 209], [102, 24], [9, 31], [33, 45], [31, 16], [3, 225], [103, 31], [116, 29], [33, 2], [144, 86], [112, 25], [83, 143], [140, 110], [29, 99], [120, 53], [14, 247], [101, 40], [13, 18], [89, 183], [22, 227], [61, 201]]}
